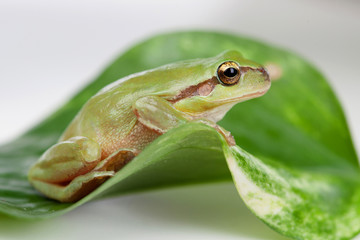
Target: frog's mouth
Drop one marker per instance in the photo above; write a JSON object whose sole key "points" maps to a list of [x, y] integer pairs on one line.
{"points": [[215, 114], [246, 96]]}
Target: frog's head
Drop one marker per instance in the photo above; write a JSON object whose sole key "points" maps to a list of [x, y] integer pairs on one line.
{"points": [[230, 79]]}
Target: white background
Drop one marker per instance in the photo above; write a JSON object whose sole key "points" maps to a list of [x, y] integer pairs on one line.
{"points": [[49, 49]]}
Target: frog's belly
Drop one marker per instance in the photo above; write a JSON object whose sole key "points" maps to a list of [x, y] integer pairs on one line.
{"points": [[138, 138]]}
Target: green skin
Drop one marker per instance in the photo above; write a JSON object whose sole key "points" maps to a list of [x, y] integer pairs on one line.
{"points": [[124, 117]]}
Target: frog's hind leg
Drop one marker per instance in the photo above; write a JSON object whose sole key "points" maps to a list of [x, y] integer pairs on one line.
{"points": [[71, 169], [117, 160]]}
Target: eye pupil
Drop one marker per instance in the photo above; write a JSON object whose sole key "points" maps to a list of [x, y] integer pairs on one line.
{"points": [[230, 72]]}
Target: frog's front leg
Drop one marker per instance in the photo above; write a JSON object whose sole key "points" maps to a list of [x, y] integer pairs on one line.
{"points": [[71, 169], [157, 114]]}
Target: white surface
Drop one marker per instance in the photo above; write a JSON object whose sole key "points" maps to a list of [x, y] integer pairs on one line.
{"points": [[49, 49]]}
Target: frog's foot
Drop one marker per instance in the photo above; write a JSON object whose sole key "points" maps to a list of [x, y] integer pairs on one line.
{"points": [[225, 133], [71, 169]]}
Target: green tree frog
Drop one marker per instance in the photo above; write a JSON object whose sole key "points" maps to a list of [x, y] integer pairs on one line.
{"points": [[119, 121]]}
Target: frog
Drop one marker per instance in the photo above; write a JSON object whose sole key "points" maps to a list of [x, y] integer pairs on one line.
{"points": [[120, 120]]}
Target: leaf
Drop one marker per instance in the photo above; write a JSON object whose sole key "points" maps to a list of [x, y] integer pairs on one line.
{"points": [[297, 203], [302, 178]]}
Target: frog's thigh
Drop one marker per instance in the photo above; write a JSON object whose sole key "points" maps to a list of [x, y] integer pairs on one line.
{"points": [[76, 169], [76, 189], [66, 160], [82, 185], [158, 114], [64, 171]]}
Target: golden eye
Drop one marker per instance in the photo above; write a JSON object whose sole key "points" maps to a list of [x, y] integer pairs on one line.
{"points": [[228, 73]]}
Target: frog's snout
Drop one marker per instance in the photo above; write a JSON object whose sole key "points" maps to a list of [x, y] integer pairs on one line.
{"points": [[256, 78], [265, 74], [261, 70]]}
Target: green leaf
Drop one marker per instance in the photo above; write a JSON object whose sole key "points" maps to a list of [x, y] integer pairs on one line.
{"points": [[298, 203], [302, 178]]}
